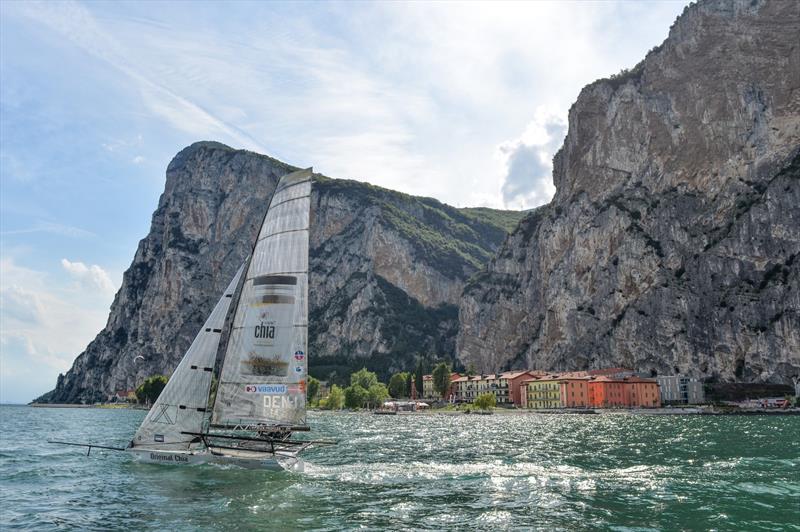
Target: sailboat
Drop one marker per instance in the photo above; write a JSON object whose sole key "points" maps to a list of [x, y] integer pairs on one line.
{"points": [[260, 399]]}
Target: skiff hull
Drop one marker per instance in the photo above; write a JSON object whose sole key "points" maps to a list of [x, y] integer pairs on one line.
{"points": [[248, 460]]}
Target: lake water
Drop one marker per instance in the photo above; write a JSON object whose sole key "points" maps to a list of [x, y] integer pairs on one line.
{"points": [[435, 472]]}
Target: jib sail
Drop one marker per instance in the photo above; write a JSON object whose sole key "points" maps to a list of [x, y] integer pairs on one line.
{"points": [[181, 407]]}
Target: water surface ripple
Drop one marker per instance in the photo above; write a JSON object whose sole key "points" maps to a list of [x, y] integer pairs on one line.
{"points": [[437, 472]]}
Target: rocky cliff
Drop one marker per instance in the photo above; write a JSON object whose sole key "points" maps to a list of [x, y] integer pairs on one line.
{"points": [[387, 270], [672, 242]]}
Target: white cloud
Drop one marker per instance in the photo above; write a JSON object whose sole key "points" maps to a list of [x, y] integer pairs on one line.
{"points": [[53, 228], [43, 327], [414, 97], [77, 23], [528, 160], [92, 277]]}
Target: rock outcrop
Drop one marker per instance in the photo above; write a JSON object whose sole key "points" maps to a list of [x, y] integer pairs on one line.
{"points": [[672, 242], [387, 270]]}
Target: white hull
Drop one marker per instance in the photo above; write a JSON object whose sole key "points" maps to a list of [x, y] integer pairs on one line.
{"points": [[249, 460]]}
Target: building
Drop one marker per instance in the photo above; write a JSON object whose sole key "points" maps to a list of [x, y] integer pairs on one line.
{"points": [[506, 387], [606, 392], [543, 392], [512, 383], [679, 389], [427, 387], [466, 388], [122, 396], [641, 393], [574, 392], [429, 392]]}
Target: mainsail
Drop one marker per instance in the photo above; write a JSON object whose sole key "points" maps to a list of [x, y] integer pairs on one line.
{"points": [[263, 378], [181, 407]]}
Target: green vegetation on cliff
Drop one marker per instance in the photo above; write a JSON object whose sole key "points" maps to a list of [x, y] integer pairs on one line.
{"points": [[456, 240]]}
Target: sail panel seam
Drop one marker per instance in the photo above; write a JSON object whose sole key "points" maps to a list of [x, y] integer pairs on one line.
{"points": [[282, 232], [287, 187], [298, 198]]}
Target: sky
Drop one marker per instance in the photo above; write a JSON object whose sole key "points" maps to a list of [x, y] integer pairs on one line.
{"points": [[463, 102]]}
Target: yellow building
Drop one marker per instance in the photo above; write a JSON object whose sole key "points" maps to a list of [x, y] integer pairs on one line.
{"points": [[543, 393]]}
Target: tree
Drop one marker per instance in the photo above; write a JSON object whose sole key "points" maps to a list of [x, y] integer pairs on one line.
{"points": [[355, 396], [376, 395], [312, 389], [485, 401], [363, 378], [398, 385], [441, 379], [151, 388], [470, 369], [420, 371], [335, 399]]}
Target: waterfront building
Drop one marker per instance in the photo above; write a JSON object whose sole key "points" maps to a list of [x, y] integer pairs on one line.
{"points": [[512, 384], [506, 387], [680, 389], [427, 387], [641, 393], [574, 391], [606, 392], [429, 392], [465, 388], [122, 396], [543, 392]]}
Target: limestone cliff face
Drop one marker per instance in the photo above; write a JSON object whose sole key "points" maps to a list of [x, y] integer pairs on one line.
{"points": [[387, 270], [672, 241]]}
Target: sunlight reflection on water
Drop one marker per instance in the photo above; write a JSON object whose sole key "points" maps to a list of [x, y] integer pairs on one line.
{"points": [[434, 471]]}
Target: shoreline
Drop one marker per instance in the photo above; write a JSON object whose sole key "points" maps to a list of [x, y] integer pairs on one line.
{"points": [[688, 411], [106, 406]]}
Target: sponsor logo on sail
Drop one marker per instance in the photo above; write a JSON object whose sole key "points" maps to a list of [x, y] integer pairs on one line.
{"points": [[264, 331], [299, 355], [265, 389], [298, 369]]}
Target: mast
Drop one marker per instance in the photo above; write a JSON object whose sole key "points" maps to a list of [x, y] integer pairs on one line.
{"points": [[181, 407], [262, 383]]}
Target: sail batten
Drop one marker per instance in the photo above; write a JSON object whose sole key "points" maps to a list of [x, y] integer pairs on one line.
{"points": [[182, 404], [263, 377]]}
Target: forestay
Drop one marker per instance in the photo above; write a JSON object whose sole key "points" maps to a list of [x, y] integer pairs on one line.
{"points": [[263, 378], [181, 407]]}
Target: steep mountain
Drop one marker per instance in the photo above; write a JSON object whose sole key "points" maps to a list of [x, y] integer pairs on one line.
{"points": [[387, 270], [672, 242]]}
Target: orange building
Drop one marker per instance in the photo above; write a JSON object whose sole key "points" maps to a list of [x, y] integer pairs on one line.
{"points": [[627, 392], [605, 392], [574, 392], [642, 393]]}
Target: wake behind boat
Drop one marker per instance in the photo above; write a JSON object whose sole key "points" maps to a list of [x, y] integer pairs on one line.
{"points": [[260, 401]]}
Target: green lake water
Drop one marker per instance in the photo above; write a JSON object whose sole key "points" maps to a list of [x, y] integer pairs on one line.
{"points": [[436, 472]]}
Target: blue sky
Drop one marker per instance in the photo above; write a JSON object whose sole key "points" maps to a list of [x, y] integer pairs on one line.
{"points": [[462, 102]]}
